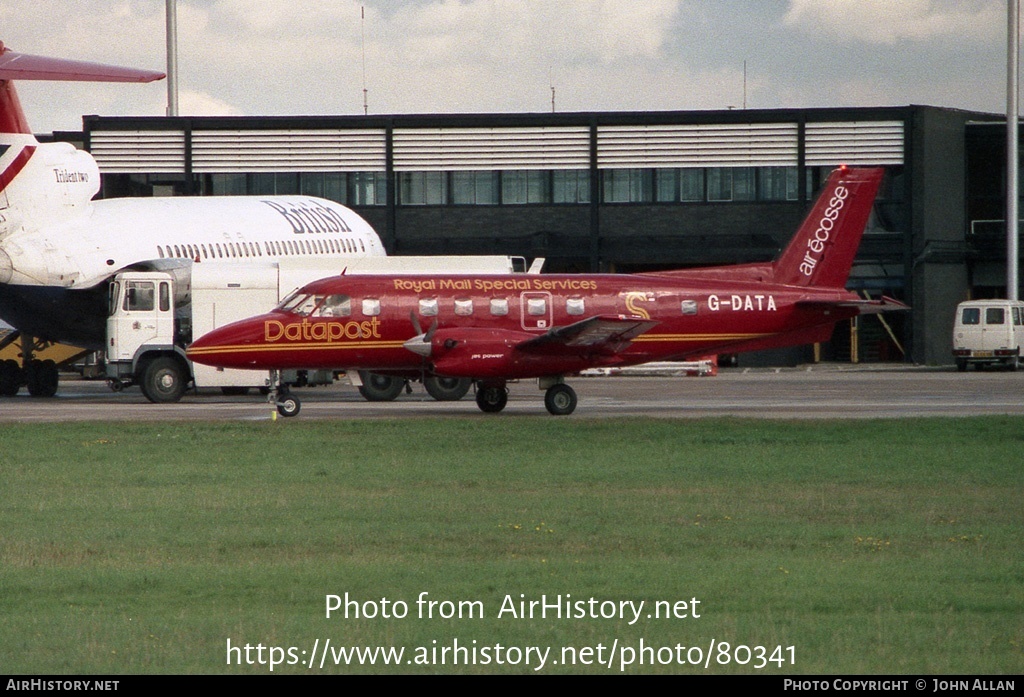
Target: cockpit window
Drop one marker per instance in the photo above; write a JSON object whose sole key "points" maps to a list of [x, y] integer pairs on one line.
{"points": [[301, 304], [334, 305]]}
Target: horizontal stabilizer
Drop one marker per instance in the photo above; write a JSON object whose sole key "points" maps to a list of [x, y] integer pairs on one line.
{"points": [[613, 331], [864, 307], [22, 66]]}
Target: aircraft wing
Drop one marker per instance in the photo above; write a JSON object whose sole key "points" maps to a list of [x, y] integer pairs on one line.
{"points": [[865, 307], [611, 332]]}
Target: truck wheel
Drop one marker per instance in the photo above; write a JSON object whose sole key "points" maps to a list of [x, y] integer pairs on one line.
{"points": [[163, 380], [961, 365], [447, 389], [380, 388]]}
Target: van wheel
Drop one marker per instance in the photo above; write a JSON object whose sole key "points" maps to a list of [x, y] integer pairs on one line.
{"points": [[163, 380]]}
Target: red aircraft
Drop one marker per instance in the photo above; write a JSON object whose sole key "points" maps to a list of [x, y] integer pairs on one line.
{"points": [[496, 328]]}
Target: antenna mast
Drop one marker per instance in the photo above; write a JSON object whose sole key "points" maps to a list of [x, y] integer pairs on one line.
{"points": [[362, 41]]}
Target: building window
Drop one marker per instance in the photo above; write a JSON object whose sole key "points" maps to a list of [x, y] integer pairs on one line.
{"points": [[422, 188], [570, 186], [627, 185], [525, 186], [666, 187], [475, 188], [777, 184], [719, 184], [691, 184], [367, 188]]}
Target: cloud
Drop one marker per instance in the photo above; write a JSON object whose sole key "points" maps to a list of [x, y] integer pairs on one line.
{"points": [[192, 103], [892, 21]]}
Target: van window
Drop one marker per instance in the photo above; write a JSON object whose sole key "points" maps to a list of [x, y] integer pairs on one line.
{"points": [[995, 315], [971, 315], [1016, 316]]}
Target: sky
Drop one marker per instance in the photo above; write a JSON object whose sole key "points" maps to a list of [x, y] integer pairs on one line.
{"points": [[314, 57]]}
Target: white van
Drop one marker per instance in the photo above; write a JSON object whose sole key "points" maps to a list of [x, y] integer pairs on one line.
{"points": [[988, 332]]}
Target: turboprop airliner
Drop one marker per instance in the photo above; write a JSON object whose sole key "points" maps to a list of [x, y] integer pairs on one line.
{"points": [[493, 329], [58, 247]]}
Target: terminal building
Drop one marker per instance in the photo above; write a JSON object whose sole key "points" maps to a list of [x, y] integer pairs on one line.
{"points": [[623, 192]]}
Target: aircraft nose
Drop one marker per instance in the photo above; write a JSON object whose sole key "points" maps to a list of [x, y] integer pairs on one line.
{"points": [[235, 345], [6, 267]]}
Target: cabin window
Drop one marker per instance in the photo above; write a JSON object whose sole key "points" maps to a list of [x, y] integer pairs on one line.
{"points": [[463, 307], [371, 307], [537, 307], [575, 306], [138, 296], [995, 315], [499, 307], [688, 307], [428, 307]]}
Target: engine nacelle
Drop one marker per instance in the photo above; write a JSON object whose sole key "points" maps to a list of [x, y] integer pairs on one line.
{"points": [[472, 352], [475, 352]]}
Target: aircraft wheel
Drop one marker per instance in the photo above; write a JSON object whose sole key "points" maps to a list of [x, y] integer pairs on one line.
{"points": [[380, 388], [491, 399], [447, 389], [42, 378], [560, 400], [10, 378], [163, 380], [288, 404]]}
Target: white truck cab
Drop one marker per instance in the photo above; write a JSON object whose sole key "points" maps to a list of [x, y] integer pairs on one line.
{"points": [[988, 332]]}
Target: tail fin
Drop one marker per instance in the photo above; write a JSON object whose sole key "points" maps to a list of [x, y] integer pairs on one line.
{"points": [[822, 250], [20, 66]]}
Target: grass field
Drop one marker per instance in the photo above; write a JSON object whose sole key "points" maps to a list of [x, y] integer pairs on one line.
{"points": [[869, 547]]}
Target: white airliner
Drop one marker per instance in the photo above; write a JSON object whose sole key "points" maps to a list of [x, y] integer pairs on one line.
{"points": [[58, 247]]}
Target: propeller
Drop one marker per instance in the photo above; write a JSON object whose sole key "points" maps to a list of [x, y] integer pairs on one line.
{"points": [[420, 344]]}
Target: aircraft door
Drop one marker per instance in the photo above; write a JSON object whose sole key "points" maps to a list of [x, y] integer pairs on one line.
{"points": [[536, 311]]}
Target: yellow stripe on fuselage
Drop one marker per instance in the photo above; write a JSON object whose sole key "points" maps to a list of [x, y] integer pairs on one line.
{"points": [[699, 337], [264, 348]]}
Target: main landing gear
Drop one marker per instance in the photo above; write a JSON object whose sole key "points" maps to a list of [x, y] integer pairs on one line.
{"points": [[281, 397], [559, 398], [41, 377]]}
